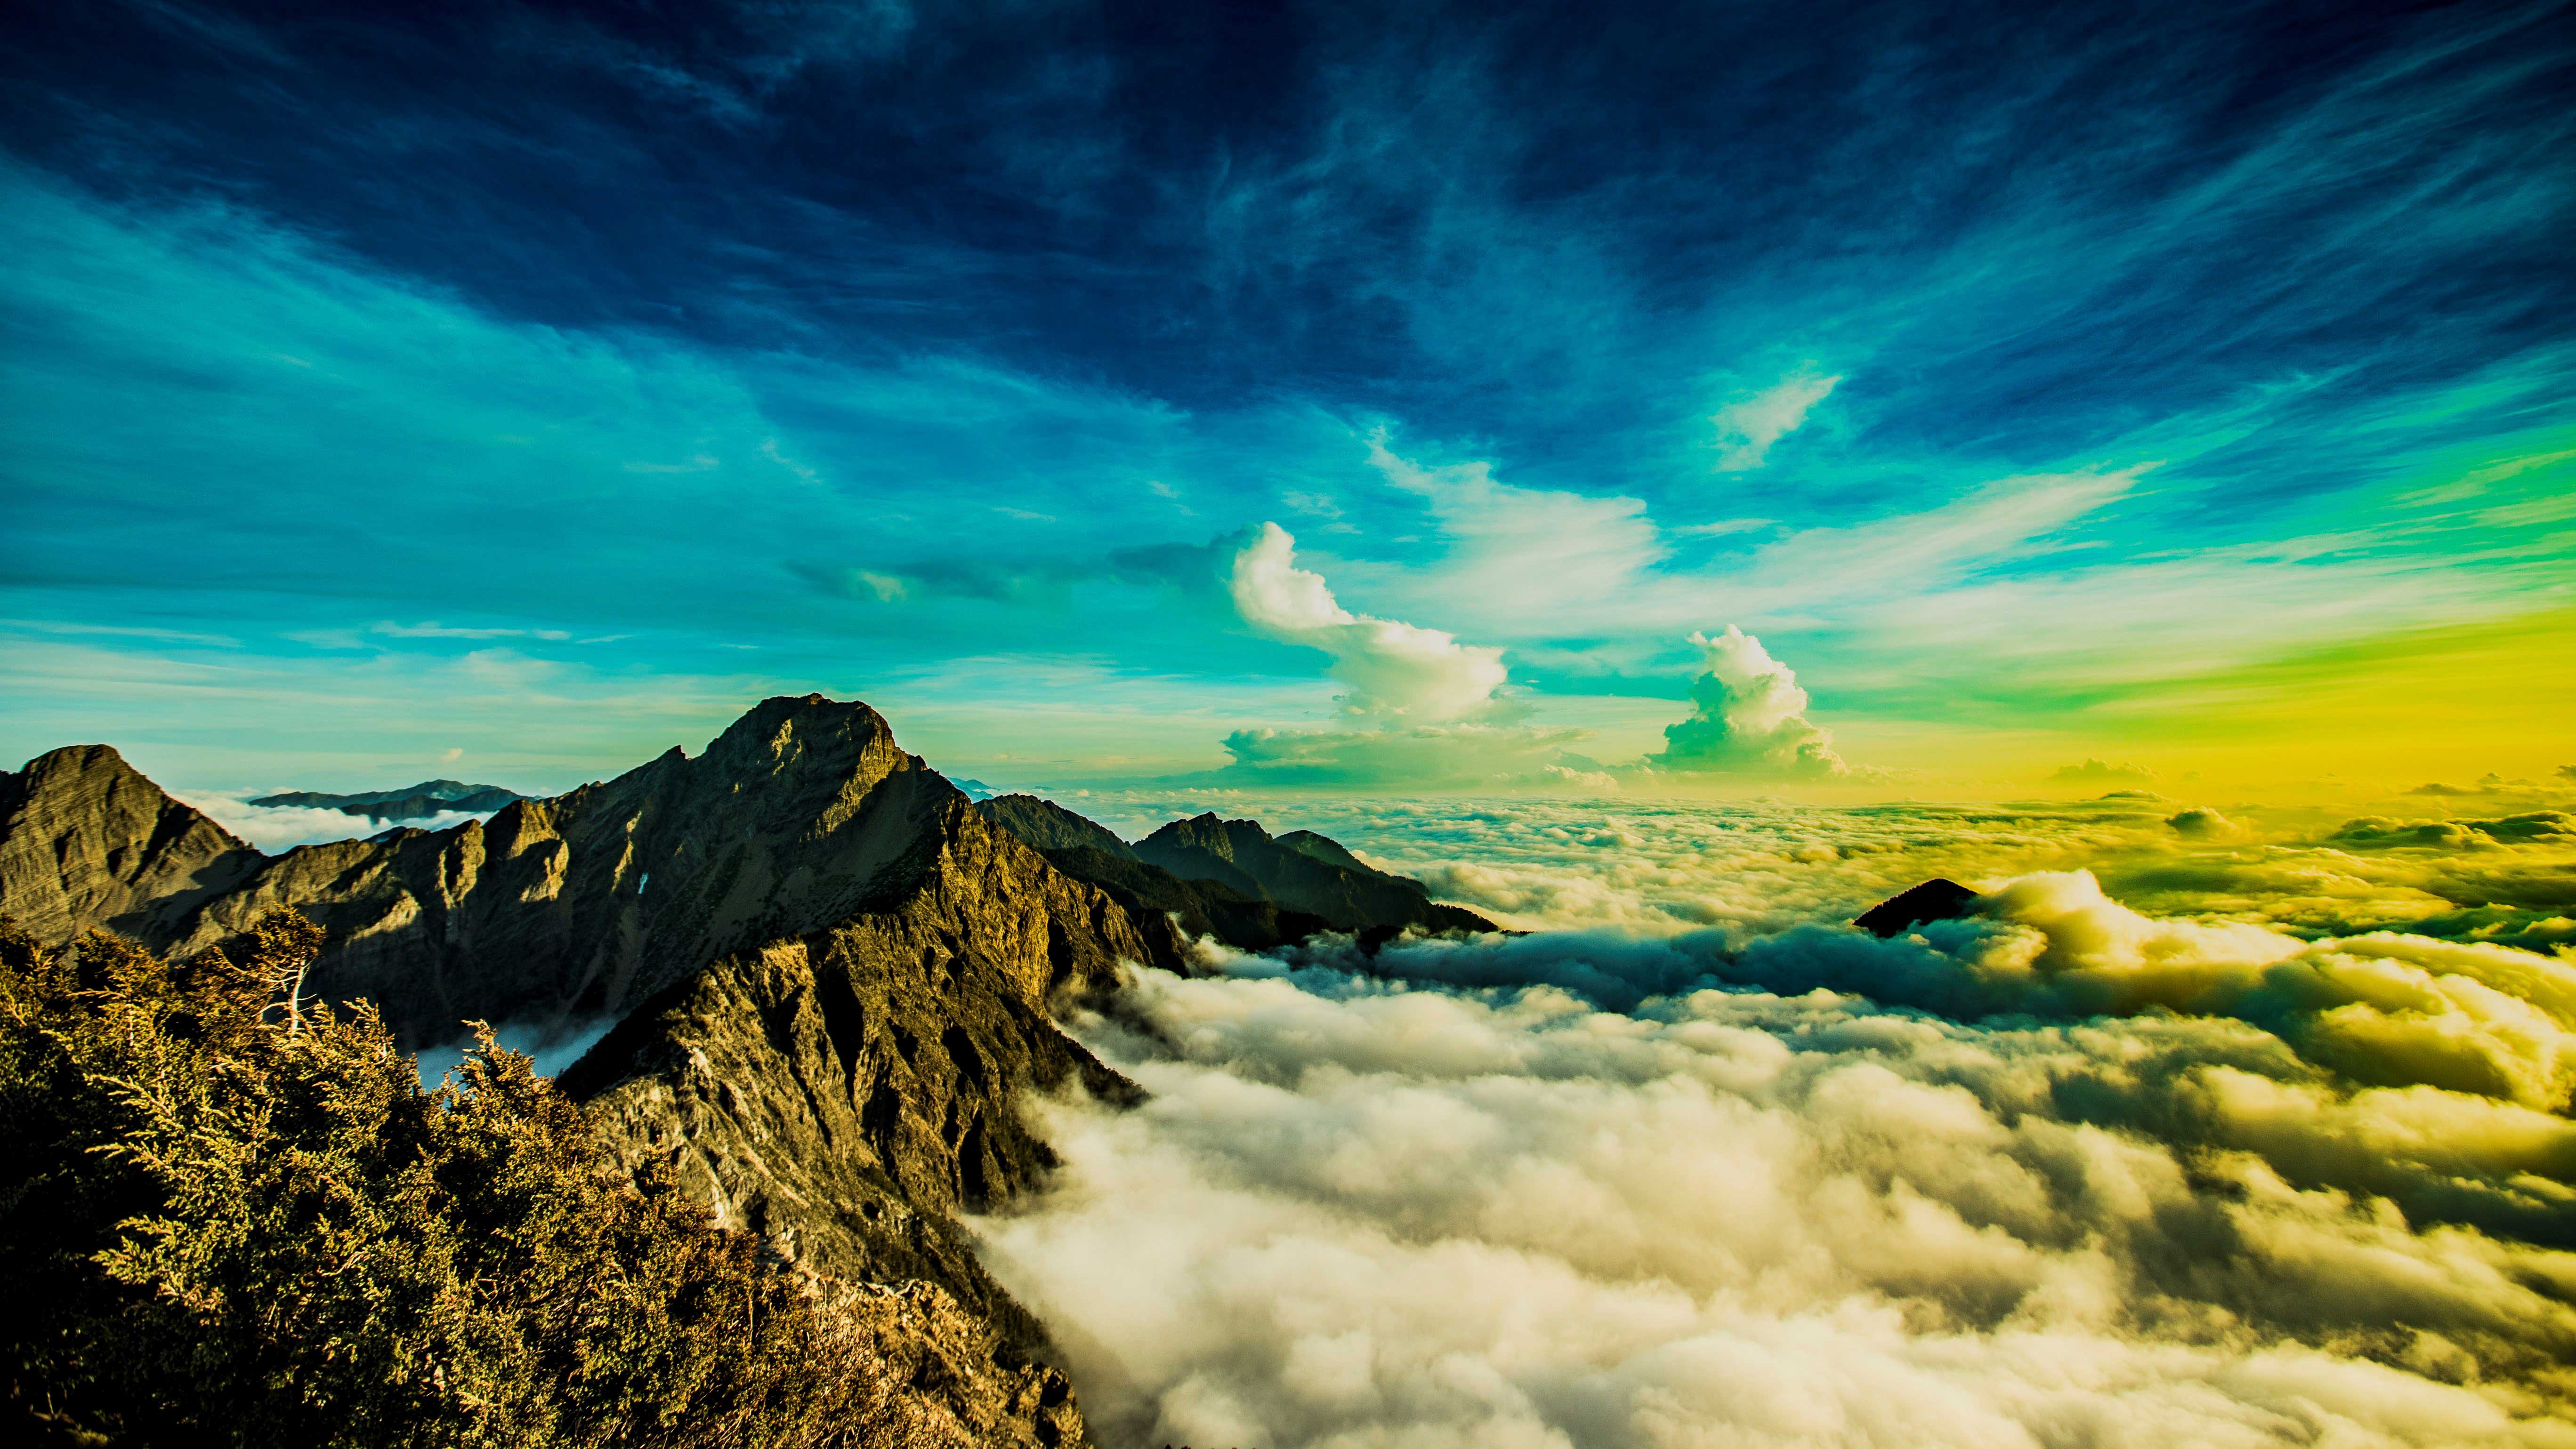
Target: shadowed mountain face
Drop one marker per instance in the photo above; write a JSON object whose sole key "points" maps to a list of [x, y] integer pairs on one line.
{"points": [[1302, 871], [833, 977], [1230, 879], [801, 814], [1936, 899], [1049, 826], [411, 802]]}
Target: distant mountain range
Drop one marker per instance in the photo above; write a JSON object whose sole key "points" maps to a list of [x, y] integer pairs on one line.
{"points": [[412, 802], [831, 973]]}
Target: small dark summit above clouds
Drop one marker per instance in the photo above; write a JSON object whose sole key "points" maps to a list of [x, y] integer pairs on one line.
{"points": [[428, 799], [1937, 899]]}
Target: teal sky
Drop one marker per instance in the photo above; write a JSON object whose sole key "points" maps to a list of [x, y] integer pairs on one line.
{"points": [[514, 396]]}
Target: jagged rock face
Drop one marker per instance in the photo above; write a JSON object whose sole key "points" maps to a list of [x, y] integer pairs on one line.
{"points": [[847, 1091], [588, 903], [86, 840], [962, 1397], [835, 977], [1307, 872]]}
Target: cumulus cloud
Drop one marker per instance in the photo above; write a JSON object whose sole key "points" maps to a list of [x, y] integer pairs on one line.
{"points": [[1395, 670], [2384, 832], [2099, 772], [1360, 1212], [2198, 823], [1748, 717], [1422, 708], [1461, 756], [1527, 557], [1749, 425]]}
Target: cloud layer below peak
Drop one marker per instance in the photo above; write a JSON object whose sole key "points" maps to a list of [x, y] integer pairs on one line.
{"points": [[2061, 1171]]}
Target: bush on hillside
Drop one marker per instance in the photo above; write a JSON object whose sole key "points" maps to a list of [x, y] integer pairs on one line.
{"points": [[232, 1217]]}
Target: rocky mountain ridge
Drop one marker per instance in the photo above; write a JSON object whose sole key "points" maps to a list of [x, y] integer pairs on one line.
{"points": [[834, 979], [831, 973], [1230, 878]]}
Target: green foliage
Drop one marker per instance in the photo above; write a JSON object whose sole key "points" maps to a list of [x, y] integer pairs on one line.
{"points": [[231, 1216]]}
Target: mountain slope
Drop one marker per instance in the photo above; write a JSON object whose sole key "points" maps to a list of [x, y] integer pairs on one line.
{"points": [[563, 910], [1302, 872], [1230, 879], [87, 841], [1049, 826], [833, 978], [847, 1091]]}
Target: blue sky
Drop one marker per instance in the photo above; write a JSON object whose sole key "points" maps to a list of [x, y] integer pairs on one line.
{"points": [[516, 391]]}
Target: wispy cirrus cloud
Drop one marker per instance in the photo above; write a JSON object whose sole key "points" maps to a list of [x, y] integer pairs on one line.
{"points": [[1748, 426]]}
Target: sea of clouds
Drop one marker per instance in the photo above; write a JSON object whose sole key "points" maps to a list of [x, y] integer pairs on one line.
{"points": [[276, 829], [2253, 1131]]}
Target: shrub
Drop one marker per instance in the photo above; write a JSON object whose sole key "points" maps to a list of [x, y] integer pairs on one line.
{"points": [[231, 1216]]}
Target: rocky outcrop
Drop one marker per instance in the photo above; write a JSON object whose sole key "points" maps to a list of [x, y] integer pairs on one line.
{"points": [[846, 1092], [1937, 899], [1198, 907], [86, 840], [1302, 871]]}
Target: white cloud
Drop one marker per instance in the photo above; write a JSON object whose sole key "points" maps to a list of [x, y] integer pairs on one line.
{"points": [[2202, 823], [275, 829], [1468, 755], [1894, 557], [1748, 426], [2094, 771], [1526, 554], [1715, 1170], [435, 630], [1357, 1213], [1749, 717], [1396, 671]]}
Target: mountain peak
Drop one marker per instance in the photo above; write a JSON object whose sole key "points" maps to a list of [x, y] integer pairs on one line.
{"points": [[86, 840], [1937, 899], [801, 733], [73, 761]]}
